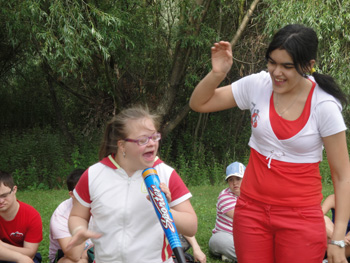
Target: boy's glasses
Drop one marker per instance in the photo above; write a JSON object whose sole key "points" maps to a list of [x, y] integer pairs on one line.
{"points": [[143, 140], [3, 196]]}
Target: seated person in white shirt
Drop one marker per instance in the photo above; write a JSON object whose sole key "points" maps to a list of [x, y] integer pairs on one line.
{"points": [[59, 232]]}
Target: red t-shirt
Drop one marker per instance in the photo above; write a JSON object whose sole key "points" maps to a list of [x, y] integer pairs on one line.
{"points": [[26, 226], [285, 129]]}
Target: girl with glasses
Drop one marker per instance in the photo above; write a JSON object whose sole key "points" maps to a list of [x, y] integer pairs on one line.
{"points": [[112, 191]]}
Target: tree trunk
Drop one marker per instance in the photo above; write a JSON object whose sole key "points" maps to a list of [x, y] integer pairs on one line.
{"points": [[60, 120], [169, 126], [181, 58], [244, 23]]}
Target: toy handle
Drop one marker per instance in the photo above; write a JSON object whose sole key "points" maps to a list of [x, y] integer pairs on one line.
{"points": [[161, 207]]}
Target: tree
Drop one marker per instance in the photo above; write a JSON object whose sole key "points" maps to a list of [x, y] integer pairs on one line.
{"points": [[109, 54], [69, 65]]}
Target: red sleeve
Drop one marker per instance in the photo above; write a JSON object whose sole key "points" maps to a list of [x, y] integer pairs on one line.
{"points": [[34, 233], [82, 187], [176, 186]]}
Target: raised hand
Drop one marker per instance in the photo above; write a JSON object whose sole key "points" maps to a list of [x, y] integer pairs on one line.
{"points": [[221, 57]]}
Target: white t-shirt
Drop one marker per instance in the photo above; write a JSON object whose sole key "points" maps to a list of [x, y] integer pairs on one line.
{"points": [[131, 231], [254, 92], [59, 227]]}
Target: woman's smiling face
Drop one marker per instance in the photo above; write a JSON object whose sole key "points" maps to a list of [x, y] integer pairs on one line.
{"points": [[282, 71]]}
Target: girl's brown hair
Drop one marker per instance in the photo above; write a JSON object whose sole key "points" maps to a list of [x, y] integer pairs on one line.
{"points": [[116, 128]]}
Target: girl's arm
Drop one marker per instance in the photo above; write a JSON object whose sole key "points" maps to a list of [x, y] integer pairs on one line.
{"points": [[78, 226], [185, 218], [184, 215]]}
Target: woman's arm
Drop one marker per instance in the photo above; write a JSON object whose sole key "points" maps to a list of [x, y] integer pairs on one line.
{"points": [[338, 159], [206, 97]]}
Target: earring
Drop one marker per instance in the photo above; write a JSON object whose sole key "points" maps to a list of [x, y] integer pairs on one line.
{"points": [[124, 154]]}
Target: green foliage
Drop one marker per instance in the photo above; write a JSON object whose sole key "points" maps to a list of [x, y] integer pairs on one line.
{"points": [[68, 40], [70, 65], [40, 158], [85, 60], [24, 99], [29, 167]]}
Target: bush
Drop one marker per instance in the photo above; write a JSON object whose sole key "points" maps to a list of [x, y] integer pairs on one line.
{"points": [[41, 158]]}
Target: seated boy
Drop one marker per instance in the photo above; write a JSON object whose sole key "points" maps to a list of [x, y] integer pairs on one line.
{"points": [[20, 226], [59, 232]]}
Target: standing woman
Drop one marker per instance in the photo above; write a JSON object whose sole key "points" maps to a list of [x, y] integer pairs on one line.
{"points": [[126, 227], [295, 111]]}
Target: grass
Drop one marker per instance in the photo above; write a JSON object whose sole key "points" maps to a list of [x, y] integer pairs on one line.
{"points": [[203, 200]]}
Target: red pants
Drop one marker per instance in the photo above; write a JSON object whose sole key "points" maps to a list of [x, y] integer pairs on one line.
{"points": [[275, 234]]}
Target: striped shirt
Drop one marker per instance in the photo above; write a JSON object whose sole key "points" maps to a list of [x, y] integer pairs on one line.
{"points": [[226, 202]]}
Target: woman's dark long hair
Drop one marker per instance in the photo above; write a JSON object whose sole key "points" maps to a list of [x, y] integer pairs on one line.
{"points": [[301, 43]]}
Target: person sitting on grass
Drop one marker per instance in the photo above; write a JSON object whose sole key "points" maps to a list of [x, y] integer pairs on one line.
{"points": [[20, 226], [221, 241], [329, 204], [59, 232]]}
